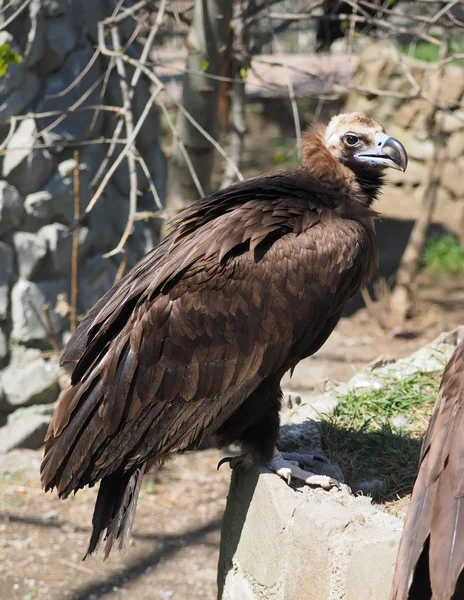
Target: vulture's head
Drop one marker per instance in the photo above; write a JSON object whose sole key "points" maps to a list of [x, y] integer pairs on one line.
{"points": [[361, 144]]}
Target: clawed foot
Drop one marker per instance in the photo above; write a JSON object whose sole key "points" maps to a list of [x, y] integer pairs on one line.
{"points": [[232, 460], [287, 469]]}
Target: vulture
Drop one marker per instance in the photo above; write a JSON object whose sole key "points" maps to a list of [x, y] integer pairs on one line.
{"points": [[192, 343], [430, 558]]}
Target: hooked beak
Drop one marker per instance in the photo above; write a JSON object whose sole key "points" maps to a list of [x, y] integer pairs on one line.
{"points": [[386, 152]]}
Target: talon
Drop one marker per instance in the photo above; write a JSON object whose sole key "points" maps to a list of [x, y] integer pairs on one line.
{"points": [[232, 460], [224, 460]]}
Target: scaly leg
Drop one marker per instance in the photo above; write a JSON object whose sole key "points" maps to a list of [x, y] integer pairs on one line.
{"points": [[290, 468]]}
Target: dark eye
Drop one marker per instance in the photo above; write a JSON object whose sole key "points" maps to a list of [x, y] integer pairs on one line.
{"points": [[351, 139]]}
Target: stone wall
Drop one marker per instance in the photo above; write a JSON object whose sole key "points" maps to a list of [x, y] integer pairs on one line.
{"points": [[380, 68], [56, 40]]}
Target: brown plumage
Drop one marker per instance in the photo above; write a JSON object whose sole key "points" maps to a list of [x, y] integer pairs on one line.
{"points": [[193, 342], [431, 554]]}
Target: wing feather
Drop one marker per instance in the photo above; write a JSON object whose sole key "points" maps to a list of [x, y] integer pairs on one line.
{"points": [[433, 534]]}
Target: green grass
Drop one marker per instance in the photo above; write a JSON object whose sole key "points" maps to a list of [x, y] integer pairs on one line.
{"points": [[361, 435], [428, 52], [444, 256]]}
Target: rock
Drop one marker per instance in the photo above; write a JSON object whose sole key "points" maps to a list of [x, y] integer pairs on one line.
{"points": [[456, 144], [443, 202], [28, 383], [451, 122], [35, 48], [3, 345], [98, 276], [28, 301], [6, 270], [61, 38], [26, 428], [91, 158], [90, 18], [23, 166], [15, 72], [39, 205], [451, 85], [431, 358], [413, 113], [56, 8], [452, 179], [11, 208], [17, 102], [30, 252], [21, 354], [107, 220], [58, 241], [237, 586], [414, 175], [76, 126], [61, 189], [418, 149]]}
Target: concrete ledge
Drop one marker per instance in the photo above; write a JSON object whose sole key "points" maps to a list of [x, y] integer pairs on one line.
{"points": [[299, 543], [284, 543]]}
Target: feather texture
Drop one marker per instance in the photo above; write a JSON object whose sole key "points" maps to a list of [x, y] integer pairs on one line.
{"points": [[431, 554]]}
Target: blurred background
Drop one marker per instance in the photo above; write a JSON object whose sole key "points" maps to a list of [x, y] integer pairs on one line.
{"points": [[114, 115]]}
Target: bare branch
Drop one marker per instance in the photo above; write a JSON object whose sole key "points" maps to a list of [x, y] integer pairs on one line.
{"points": [[151, 183], [128, 145], [129, 122], [12, 17], [75, 245]]}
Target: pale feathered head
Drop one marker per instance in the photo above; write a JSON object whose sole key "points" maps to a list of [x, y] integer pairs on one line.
{"points": [[355, 139]]}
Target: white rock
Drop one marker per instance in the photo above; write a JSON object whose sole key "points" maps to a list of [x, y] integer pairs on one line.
{"points": [[34, 382], [6, 270], [23, 166]]}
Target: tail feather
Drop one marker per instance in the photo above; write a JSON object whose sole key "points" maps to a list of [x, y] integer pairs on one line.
{"points": [[114, 512]]}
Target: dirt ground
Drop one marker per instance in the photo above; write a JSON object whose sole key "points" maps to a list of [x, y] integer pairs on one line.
{"points": [[175, 545]]}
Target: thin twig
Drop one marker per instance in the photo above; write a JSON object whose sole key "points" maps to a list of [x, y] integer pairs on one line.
{"points": [[129, 123], [78, 78], [126, 13], [75, 245], [182, 147], [151, 183], [76, 104], [12, 17], [111, 148], [49, 326], [128, 145], [27, 361]]}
